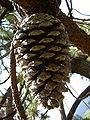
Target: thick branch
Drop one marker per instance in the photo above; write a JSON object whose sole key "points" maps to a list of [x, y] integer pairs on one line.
{"points": [[37, 6], [81, 66], [7, 4], [77, 36], [77, 102]]}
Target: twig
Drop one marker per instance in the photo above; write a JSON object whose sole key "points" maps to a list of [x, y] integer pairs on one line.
{"points": [[4, 65], [84, 23], [4, 81], [80, 12], [69, 9], [81, 19], [15, 88], [44, 114]]}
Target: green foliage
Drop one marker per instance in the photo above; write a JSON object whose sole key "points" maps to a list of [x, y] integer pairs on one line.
{"points": [[33, 111], [87, 115], [20, 78], [85, 27], [89, 102], [74, 51]]}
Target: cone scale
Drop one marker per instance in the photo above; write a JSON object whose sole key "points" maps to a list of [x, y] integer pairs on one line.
{"points": [[41, 47]]}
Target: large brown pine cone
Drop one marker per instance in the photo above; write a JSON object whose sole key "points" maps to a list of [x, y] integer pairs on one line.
{"points": [[41, 46]]}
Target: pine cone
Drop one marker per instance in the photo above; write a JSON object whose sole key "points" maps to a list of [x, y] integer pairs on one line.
{"points": [[41, 46]]}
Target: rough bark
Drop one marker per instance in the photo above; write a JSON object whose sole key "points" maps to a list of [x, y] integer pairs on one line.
{"points": [[81, 66], [77, 36], [15, 91], [7, 4], [37, 6]]}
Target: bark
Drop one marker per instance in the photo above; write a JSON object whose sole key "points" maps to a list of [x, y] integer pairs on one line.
{"points": [[62, 111], [37, 6], [77, 36], [7, 4], [15, 91], [81, 66]]}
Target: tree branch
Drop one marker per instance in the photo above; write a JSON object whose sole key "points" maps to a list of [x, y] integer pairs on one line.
{"points": [[15, 88], [37, 6], [62, 111], [7, 4], [77, 102], [77, 36], [81, 66]]}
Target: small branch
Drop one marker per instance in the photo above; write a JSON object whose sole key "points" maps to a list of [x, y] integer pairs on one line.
{"points": [[77, 102], [15, 88], [81, 19], [69, 9], [5, 67], [81, 13], [84, 23], [62, 111], [43, 115]]}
